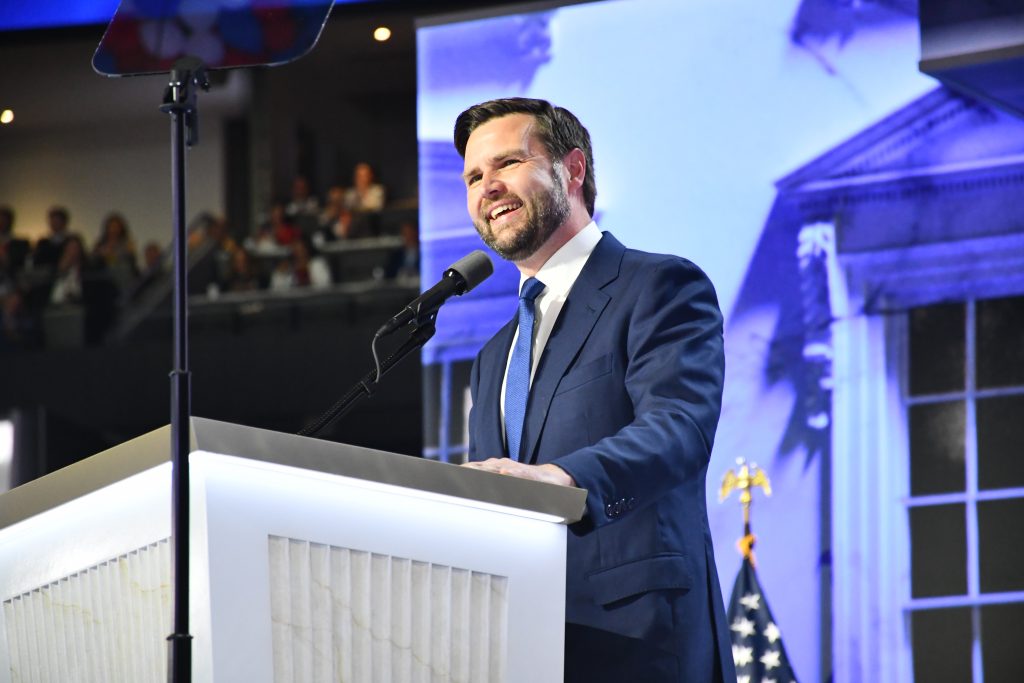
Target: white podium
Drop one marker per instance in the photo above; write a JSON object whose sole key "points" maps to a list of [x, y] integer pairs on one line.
{"points": [[311, 561]]}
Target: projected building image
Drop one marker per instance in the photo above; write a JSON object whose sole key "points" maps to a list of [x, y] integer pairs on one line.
{"points": [[799, 156]]}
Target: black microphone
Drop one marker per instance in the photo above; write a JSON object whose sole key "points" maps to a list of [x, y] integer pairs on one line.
{"points": [[461, 277]]}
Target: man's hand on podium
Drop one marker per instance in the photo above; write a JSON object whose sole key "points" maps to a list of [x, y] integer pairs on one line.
{"points": [[547, 473]]}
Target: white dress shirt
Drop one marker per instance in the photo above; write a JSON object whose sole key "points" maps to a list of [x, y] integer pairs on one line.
{"points": [[558, 274]]}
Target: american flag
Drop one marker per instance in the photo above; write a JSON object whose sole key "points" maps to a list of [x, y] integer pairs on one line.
{"points": [[756, 641]]}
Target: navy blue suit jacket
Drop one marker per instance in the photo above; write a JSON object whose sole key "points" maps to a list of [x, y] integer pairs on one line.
{"points": [[626, 399]]}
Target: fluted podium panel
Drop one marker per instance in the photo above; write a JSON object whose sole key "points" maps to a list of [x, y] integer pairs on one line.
{"points": [[311, 561]]}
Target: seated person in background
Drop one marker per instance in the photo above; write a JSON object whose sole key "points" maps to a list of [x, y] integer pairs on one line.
{"points": [[154, 268], [211, 270], [334, 204], [115, 252], [405, 263], [13, 251], [301, 269], [19, 329], [304, 208], [67, 285], [48, 250], [365, 194], [277, 231], [242, 276], [213, 231], [115, 246], [199, 229], [152, 258], [335, 220]]}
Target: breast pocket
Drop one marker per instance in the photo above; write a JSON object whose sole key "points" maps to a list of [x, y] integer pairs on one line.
{"points": [[585, 373]]}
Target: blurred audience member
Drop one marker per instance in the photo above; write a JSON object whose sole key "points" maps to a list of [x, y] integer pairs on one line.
{"points": [[406, 263], [115, 246], [335, 220], [303, 201], [365, 194], [199, 229], [210, 230], [283, 229], [49, 249], [304, 208], [334, 205], [242, 277], [277, 231], [152, 257], [301, 269], [18, 327], [13, 251], [115, 253], [154, 269], [213, 248], [67, 285]]}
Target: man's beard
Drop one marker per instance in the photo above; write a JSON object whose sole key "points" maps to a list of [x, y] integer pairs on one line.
{"points": [[546, 213]]}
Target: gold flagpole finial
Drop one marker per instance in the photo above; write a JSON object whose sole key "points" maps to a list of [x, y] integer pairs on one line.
{"points": [[748, 477]]}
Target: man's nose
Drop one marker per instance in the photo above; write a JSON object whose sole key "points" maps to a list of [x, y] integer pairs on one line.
{"points": [[493, 187]]}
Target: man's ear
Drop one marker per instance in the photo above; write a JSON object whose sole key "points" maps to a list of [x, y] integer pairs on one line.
{"points": [[575, 163]]}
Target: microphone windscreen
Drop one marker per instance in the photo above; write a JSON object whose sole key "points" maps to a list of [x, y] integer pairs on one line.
{"points": [[474, 268]]}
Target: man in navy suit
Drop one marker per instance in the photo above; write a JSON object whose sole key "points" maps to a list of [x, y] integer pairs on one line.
{"points": [[622, 385]]}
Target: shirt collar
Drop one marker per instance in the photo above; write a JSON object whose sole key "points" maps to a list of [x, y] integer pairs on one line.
{"points": [[560, 271]]}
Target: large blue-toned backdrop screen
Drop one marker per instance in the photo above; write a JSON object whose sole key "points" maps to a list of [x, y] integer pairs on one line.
{"points": [[744, 136]]}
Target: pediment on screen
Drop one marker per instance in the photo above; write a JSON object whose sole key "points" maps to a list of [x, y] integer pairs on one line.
{"points": [[149, 36], [940, 133]]}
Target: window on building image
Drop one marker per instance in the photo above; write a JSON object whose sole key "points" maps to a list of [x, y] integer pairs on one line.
{"points": [[964, 401]]}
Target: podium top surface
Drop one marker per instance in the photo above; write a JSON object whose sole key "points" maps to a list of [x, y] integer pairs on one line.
{"points": [[265, 446]]}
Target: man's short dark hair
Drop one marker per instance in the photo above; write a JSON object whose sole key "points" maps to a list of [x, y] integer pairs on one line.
{"points": [[557, 128]]}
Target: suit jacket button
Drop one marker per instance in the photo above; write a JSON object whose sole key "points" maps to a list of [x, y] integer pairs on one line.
{"points": [[631, 504], [609, 510], [618, 508]]}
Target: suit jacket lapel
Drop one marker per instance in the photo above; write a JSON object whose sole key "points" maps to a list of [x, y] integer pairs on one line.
{"points": [[582, 308], [492, 372]]}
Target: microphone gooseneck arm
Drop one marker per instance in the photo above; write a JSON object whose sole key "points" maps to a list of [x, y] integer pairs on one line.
{"points": [[366, 386], [461, 277]]}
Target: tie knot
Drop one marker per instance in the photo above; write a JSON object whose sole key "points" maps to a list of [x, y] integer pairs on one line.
{"points": [[531, 289]]}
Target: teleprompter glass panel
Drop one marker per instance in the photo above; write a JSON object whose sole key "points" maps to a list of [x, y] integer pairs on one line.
{"points": [[937, 448], [1000, 333], [938, 550], [942, 645], [1000, 422], [149, 36], [937, 349], [1001, 545], [1002, 647]]}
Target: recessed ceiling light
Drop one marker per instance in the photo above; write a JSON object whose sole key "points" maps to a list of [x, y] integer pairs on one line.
{"points": [[6, 116], [381, 33]]}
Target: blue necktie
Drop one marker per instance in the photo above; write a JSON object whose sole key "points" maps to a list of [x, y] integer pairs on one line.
{"points": [[517, 384]]}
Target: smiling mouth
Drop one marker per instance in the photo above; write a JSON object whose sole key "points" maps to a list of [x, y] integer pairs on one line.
{"points": [[503, 209]]}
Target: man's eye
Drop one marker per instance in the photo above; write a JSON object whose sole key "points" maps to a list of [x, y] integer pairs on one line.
{"points": [[473, 180], [509, 162]]}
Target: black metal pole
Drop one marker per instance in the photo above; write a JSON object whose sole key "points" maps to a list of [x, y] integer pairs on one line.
{"points": [[180, 103]]}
